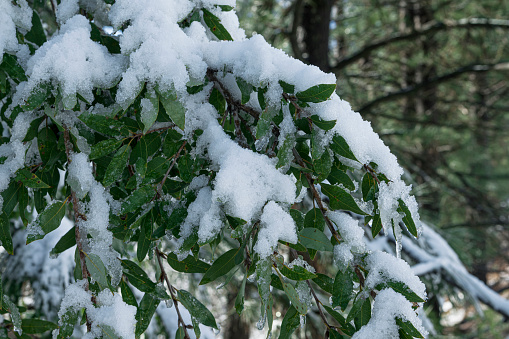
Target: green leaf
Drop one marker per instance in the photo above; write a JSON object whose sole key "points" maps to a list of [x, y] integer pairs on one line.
{"points": [[37, 96], [364, 315], [140, 197], [343, 288], [96, 269], [127, 294], [146, 147], [340, 147], [173, 108], [224, 264], [245, 89], [291, 293], [287, 88], [403, 289], [5, 234], [316, 93], [297, 273], [171, 143], [340, 199], [345, 327], [196, 309], [323, 124], [144, 239], [67, 241], [185, 167], [337, 176], [376, 225], [215, 26], [10, 196], [104, 125], [47, 144], [116, 166], [145, 312], [34, 326], [333, 334], [36, 33], [409, 328], [137, 277], [104, 147], [217, 100], [48, 220], [356, 307], [11, 66], [188, 265], [180, 334], [33, 129], [285, 152], [325, 282], [30, 179], [407, 219], [239, 300], [323, 166], [290, 323], [369, 187], [315, 239], [156, 168]]}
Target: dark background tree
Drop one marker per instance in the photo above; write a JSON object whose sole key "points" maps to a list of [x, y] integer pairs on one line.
{"points": [[432, 77]]}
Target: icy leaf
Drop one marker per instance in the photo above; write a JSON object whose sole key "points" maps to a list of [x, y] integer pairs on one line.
{"points": [[290, 323], [116, 166], [401, 288], [340, 199], [188, 265], [48, 220], [285, 155], [5, 234], [149, 110], [104, 147], [67, 322], [30, 179], [291, 293], [315, 239], [105, 125], [239, 300], [224, 264], [108, 332], [96, 269], [297, 273], [138, 198], [323, 166], [316, 93], [343, 287], [340, 147], [67, 241], [137, 277], [215, 25], [196, 309]]}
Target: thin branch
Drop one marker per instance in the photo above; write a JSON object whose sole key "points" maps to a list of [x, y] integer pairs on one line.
{"points": [[175, 157], [474, 68], [318, 303], [77, 218], [164, 277], [428, 29]]}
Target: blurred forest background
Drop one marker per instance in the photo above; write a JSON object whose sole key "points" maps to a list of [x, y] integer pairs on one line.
{"points": [[433, 78]]}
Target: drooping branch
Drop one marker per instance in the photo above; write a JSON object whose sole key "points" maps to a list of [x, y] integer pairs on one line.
{"points": [[164, 277], [427, 29], [474, 68]]}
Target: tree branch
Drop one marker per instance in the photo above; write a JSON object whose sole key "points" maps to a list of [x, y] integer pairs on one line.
{"points": [[430, 28], [474, 68]]}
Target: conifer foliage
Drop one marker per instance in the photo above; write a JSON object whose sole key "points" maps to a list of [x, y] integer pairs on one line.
{"points": [[163, 132]]}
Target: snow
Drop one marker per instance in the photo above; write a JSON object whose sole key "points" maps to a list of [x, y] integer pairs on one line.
{"points": [[66, 10], [276, 224], [11, 18], [388, 306]]}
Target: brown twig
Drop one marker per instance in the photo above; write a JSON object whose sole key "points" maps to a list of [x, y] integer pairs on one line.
{"points": [[164, 277], [77, 218], [175, 157], [318, 303]]}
